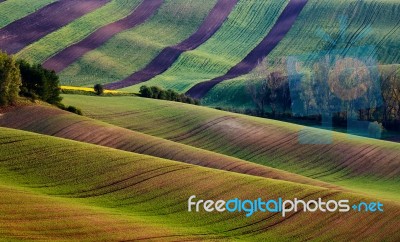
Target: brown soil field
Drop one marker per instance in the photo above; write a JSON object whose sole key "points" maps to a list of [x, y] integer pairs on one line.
{"points": [[170, 54], [70, 54], [31, 28], [276, 34]]}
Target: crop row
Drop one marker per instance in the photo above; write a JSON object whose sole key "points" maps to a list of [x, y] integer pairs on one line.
{"points": [[377, 21], [56, 41], [12, 10], [58, 123], [155, 191], [271, 143], [131, 50], [350, 24], [245, 27]]}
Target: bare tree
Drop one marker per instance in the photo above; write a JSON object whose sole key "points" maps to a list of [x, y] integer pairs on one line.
{"points": [[269, 86]]}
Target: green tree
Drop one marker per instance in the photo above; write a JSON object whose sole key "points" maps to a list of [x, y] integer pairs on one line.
{"points": [[41, 82], [98, 89], [145, 91], [156, 92], [10, 79]]}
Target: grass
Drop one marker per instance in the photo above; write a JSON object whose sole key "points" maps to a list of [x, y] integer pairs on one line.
{"points": [[89, 187], [231, 94], [266, 142], [131, 50], [35, 216], [245, 27], [77, 30], [12, 10]]}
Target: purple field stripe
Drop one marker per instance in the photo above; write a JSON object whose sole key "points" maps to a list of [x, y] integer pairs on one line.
{"points": [[72, 53], [169, 55], [33, 27], [276, 34]]}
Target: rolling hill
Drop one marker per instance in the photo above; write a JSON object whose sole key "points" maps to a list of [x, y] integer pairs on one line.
{"points": [[131, 50], [169, 48], [364, 164], [366, 23], [66, 36], [27, 30], [89, 187], [55, 122], [127, 167], [14, 10]]}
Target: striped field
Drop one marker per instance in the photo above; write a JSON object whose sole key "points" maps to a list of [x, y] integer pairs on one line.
{"points": [[51, 44], [54, 122], [110, 193], [131, 50], [350, 161], [224, 49], [12, 10]]}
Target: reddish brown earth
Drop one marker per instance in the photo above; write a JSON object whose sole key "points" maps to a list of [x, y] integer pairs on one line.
{"points": [[33, 27], [258, 142], [69, 55], [170, 54], [280, 29], [55, 122]]}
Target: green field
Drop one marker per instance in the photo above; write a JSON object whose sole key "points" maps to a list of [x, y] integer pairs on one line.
{"points": [[53, 43], [131, 50], [125, 167], [232, 94], [324, 15], [369, 23], [93, 186], [55, 122], [245, 27], [12, 10], [266, 142], [381, 16]]}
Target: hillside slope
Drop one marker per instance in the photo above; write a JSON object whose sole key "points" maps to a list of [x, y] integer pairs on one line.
{"points": [[244, 29], [133, 49], [67, 56], [233, 50], [16, 9], [116, 183], [352, 161], [35, 216], [54, 122], [15, 36], [60, 39], [322, 26]]}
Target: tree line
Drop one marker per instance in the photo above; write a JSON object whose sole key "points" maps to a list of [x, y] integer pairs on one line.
{"points": [[323, 91], [18, 78], [159, 93]]}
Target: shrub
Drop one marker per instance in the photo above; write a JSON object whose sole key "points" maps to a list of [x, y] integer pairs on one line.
{"points": [[145, 91], [171, 95], [73, 109], [98, 89]]}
